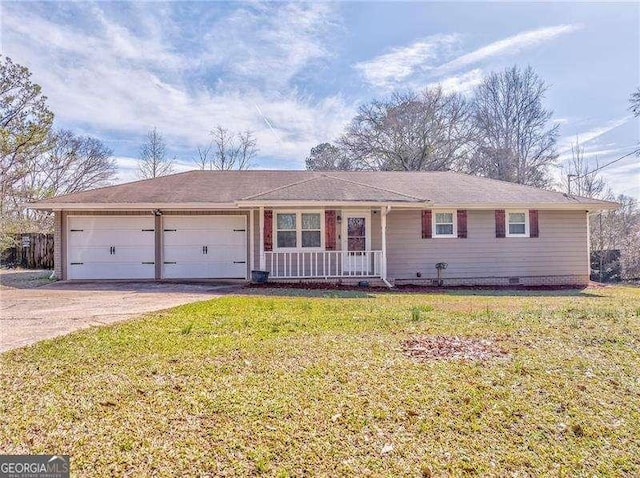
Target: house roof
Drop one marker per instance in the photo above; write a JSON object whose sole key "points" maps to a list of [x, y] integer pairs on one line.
{"points": [[249, 188]]}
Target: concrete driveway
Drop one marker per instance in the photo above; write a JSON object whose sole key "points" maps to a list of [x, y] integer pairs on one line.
{"points": [[31, 314]]}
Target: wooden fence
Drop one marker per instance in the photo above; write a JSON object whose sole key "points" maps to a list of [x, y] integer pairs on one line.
{"points": [[32, 251]]}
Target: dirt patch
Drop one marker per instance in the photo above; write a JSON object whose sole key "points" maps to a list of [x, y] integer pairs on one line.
{"points": [[24, 278], [438, 347]]}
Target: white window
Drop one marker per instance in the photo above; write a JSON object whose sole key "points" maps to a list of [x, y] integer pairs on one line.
{"points": [[444, 224], [311, 229], [517, 223], [298, 230], [286, 230]]}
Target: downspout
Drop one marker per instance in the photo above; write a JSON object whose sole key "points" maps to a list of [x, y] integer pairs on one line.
{"points": [[383, 223]]}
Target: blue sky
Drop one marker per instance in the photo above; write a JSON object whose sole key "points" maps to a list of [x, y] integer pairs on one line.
{"points": [[296, 73]]}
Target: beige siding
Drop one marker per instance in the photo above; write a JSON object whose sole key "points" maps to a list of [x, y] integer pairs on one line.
{"points": [[256, 239], [561, 249], [57, 245], [376, 230]]}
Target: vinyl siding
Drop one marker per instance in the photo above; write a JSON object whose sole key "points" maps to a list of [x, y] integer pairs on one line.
{"points": [[561, 249]]}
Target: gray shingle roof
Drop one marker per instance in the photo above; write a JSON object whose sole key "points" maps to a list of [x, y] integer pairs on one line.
{"points": [[227, 187]]}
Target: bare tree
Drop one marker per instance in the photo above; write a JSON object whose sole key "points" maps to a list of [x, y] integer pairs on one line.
{"points": [[635, 103], [153, 157], [327, 157], [25, 123], [203, 161], [618, 230], [409, 132], [514, 141], [72, 164], [231, 150], [580, 179]]}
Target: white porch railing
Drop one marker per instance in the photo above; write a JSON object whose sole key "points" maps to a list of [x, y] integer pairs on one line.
{"points": [[323, 264]]}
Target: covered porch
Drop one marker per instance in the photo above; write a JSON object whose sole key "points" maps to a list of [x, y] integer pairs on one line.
{"points": [[329, 243]]}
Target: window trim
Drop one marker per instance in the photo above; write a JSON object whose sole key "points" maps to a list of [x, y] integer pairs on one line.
{"points": [[298, 213], [507, 213], [434, 224]]}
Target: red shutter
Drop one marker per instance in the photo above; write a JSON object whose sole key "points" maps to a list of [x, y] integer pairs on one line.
{"points": [[500, 223], [330, 230], [268, 230], [533, 223], [462, 223], [426, 224]]}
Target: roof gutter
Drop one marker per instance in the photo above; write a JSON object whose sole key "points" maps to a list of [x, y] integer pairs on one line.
{"points": [[128, 206], [295, 203], [603, 205]]}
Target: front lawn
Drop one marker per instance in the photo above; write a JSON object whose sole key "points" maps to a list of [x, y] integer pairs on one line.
{"points": [[311, 385]]}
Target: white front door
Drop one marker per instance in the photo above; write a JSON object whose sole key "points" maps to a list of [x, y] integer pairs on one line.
{"points": [[356, 241], [110, 247], [205, 247]]}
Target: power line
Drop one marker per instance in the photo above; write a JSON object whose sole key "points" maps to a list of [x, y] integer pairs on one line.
{"points": [[605, 165]]}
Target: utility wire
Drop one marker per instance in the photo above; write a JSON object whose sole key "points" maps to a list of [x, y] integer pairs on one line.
{"points": [[605, 165]]}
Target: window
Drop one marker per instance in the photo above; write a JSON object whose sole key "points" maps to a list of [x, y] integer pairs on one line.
{"points": [[298, 229], [444, 224], [286, 230], [311, 230], [517, 223]]}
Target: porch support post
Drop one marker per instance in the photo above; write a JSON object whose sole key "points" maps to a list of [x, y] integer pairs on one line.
{"points": [[252, 249], [261, 220], [383, 225]]}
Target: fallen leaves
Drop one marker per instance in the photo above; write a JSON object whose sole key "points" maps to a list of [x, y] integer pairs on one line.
{"points": [[387, 448], [441, 347]]}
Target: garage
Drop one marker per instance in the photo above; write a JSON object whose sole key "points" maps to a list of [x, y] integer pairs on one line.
{"points": [[204, 247], [111, 247]]}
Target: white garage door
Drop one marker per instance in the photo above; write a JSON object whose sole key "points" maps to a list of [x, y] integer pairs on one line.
{"points": [[110, 247], [204, 247]]}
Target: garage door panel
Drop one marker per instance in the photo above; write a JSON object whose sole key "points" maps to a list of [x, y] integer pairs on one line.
{"points": [[108, 270], [198, 270], [111, 247], [112, 237], [202, 240], [97, 223], [90, 254], [184, 254], [226, 247], [187, 254]]}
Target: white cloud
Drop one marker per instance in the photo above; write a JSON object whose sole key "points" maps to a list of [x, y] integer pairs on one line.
{"points": [[463, 83], [411, 64], [261, 41], [564, 145], [104, 77], [624, 176], [401, 63], [509, 46]]}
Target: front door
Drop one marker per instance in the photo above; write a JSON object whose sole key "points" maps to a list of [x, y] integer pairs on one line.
{"points": [[356, 243]]}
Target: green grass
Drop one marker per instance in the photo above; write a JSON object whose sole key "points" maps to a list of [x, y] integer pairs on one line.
{"points": [[296, 385]]}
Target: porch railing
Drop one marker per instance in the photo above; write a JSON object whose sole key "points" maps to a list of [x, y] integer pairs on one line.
{"points": [[323, 264]]}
